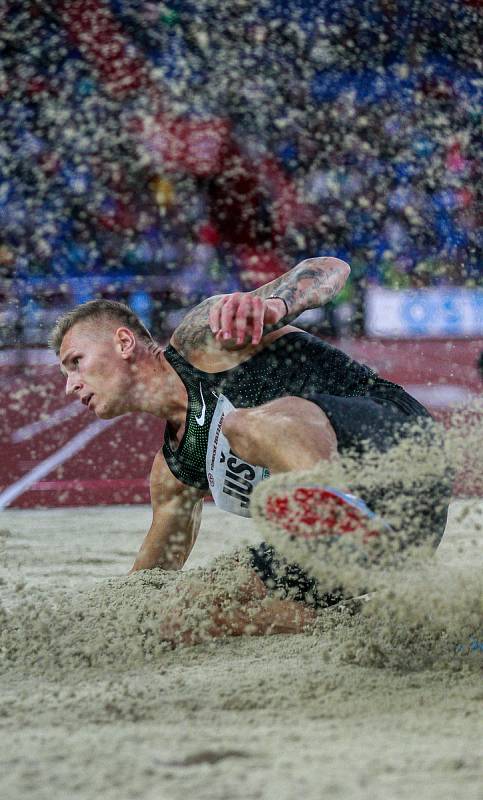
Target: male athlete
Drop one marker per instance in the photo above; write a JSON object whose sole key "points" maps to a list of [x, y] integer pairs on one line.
{"points": [[246, 395]]}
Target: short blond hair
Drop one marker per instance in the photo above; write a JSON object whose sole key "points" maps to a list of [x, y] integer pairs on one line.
{"points": [[97, 310]]}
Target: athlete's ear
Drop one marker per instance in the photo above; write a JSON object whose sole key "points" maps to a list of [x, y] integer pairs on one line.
{"points": [[126, 341]]}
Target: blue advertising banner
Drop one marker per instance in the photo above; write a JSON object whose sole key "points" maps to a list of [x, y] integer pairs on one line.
{"points": [[449, 311]]}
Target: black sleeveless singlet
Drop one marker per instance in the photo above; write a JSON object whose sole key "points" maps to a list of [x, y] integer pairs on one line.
{"points": [[300, 365], [297, 364]]}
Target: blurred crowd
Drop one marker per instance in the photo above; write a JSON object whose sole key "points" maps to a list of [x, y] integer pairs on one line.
{"points": [[351, 129]]}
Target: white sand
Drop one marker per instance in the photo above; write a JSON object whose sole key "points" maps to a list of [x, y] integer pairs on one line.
{"points": [[92, 706]]}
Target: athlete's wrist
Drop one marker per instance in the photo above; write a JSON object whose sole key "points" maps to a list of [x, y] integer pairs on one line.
{"points": [[277, 297]]}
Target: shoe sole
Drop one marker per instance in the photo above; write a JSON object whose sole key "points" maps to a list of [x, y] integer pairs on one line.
{"points": [[312, 512]]}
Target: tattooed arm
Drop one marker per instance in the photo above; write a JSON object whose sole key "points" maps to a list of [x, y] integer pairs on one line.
{"points": [[242, 318], [310, 284]]}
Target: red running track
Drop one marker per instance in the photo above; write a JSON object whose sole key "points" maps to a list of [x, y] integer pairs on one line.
{"points": [[55, 453]]}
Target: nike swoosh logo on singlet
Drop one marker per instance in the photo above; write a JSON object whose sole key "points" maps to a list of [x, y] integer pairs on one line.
{"points": [[201, 419]]}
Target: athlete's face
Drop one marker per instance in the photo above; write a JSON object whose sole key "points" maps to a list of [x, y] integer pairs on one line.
{"points": [[95, 361]]}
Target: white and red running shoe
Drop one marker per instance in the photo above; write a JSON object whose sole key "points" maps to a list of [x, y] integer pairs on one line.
{"points": [[312, 512]]}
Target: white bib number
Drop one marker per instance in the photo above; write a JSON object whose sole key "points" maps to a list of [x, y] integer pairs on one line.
{"points": [[230, 479]]}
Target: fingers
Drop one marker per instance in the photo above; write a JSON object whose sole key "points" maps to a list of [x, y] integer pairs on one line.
{"points": [[228, 312], [258, 314], [243, 319], [238, 317], [215, 314]]}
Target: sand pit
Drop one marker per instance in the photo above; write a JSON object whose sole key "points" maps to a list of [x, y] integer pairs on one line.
{"points": [[94, 705]]}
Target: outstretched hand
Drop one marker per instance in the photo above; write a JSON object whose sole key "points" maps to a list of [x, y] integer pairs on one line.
{"points": [[240, 318]]}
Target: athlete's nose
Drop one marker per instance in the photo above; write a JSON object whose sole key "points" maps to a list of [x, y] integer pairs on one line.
{"points": [[72, 384]]}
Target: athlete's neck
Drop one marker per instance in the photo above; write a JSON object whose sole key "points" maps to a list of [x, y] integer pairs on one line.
{"points": [[157, 387]]}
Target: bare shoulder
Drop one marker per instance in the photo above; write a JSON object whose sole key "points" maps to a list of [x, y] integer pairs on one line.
{"points": [[194, 332], [164, 486]]}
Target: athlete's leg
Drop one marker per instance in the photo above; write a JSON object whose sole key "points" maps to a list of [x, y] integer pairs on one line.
{"points": [[285, 434], [395, 464]]}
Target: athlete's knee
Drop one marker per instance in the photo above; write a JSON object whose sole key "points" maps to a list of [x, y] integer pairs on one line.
{"points": [[284, 420], [301, 424], [242, 427], [294, 415], [235, 425], [284, 413], [296, 411]]}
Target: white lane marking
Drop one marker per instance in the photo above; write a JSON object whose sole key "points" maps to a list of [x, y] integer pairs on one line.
{"points": [[67, 451], [33, 428]]}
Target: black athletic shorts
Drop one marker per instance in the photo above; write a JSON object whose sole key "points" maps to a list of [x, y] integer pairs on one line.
{"points": [[364, 425]]}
